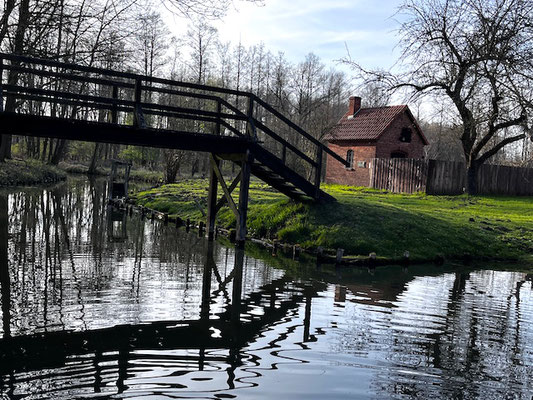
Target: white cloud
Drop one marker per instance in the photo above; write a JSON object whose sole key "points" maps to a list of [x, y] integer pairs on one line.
{"points": [[298, 27]]}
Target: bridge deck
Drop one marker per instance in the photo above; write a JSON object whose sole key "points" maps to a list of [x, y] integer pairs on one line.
{"points": [[91, 131]]}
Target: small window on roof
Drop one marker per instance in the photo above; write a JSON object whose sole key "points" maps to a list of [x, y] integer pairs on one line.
{"points": [[406, 134], [349, 159]]}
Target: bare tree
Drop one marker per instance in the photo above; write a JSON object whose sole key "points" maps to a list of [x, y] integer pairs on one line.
{"points": [[201, 38], [200, 8], [477, 55], [374, 94], [150, 43]]}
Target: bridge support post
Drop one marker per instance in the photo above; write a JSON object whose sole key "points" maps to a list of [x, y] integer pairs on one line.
{"points": [[212, 199], [243, 199]]}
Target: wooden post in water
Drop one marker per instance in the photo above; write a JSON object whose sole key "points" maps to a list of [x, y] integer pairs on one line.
{"points": [[307, 314], [206, 283], [319, 254], [236, 293], [111, 180], [118, 189], [212, 199], [340, 254]]}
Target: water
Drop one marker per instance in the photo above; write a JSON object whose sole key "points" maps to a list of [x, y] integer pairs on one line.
{"points": [[97, 304]]}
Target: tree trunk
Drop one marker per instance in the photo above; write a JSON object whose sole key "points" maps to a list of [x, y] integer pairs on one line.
{"points": [[171, 171], [5, 147], [22, 26], [94, 161], [471, 178], [45, 146], [59, 151]]}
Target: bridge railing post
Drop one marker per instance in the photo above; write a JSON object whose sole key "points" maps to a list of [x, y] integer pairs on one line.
{"points": [[114, 110], [138, 117], [318, 169], [219, 118], [251, 132]]}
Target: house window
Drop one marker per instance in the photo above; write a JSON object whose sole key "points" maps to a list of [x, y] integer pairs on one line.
{"points": [[349, 159], [398, 154], [405, 136]]}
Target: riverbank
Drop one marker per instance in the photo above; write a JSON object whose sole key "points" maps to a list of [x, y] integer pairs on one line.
{"points": [[29, 172], [364, 220], [140, 175]]}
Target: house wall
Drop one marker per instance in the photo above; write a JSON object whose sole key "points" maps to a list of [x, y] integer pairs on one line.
{"points": [[390, 140], [358, 176]]}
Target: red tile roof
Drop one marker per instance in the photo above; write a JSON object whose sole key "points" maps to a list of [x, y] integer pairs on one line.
{"points": [[367, 124]]}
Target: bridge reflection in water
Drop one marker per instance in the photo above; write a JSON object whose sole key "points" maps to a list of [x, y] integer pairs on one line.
{"points": [[108, 360], [121, 353], [96, 305]]}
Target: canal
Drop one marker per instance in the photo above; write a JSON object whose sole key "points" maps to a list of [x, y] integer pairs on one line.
{"points": [[98, 304]]}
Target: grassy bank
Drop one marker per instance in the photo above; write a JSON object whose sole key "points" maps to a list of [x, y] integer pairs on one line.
{"points": [[366, 220], [30, 172]]}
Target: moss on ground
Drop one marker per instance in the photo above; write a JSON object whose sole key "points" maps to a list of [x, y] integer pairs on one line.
{"points": [[30, 172], [365, 220]]}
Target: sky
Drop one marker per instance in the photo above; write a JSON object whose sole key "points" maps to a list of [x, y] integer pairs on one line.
{"points": [[324, 27]]}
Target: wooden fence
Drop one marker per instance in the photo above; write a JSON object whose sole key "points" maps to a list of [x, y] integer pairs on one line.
{"points": [[399, 175], [437, 177], [446, 177]]}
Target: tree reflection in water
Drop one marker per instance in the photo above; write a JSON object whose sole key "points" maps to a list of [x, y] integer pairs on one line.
{"points": [[95, 303]]}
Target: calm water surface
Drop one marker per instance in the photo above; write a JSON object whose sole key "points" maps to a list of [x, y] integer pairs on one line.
{"points": [[97, 304]]}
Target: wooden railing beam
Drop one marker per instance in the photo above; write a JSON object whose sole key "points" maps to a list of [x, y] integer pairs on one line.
{"points": [[318, 170]]}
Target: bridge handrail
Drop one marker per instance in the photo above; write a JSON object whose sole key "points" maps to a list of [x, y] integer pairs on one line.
{"points": [[298, 129], [119, 74]]}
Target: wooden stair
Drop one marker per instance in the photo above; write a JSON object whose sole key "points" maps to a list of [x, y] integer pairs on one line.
{"points": [[271, 170]]}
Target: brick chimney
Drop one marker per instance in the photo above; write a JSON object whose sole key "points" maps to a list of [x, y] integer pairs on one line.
{"points": [[355, 105]]}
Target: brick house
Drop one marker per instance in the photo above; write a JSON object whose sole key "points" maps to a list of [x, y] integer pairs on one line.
{"points": [[366, 133]]}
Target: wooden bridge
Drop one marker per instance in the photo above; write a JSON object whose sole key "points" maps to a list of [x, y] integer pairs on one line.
{"points": [[46, 98]]}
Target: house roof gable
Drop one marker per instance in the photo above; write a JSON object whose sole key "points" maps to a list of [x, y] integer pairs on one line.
{"points": [[370, 123]]}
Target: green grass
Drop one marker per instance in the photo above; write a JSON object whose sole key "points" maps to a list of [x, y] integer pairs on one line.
{"points": [[365, 220], [30, 172]]}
